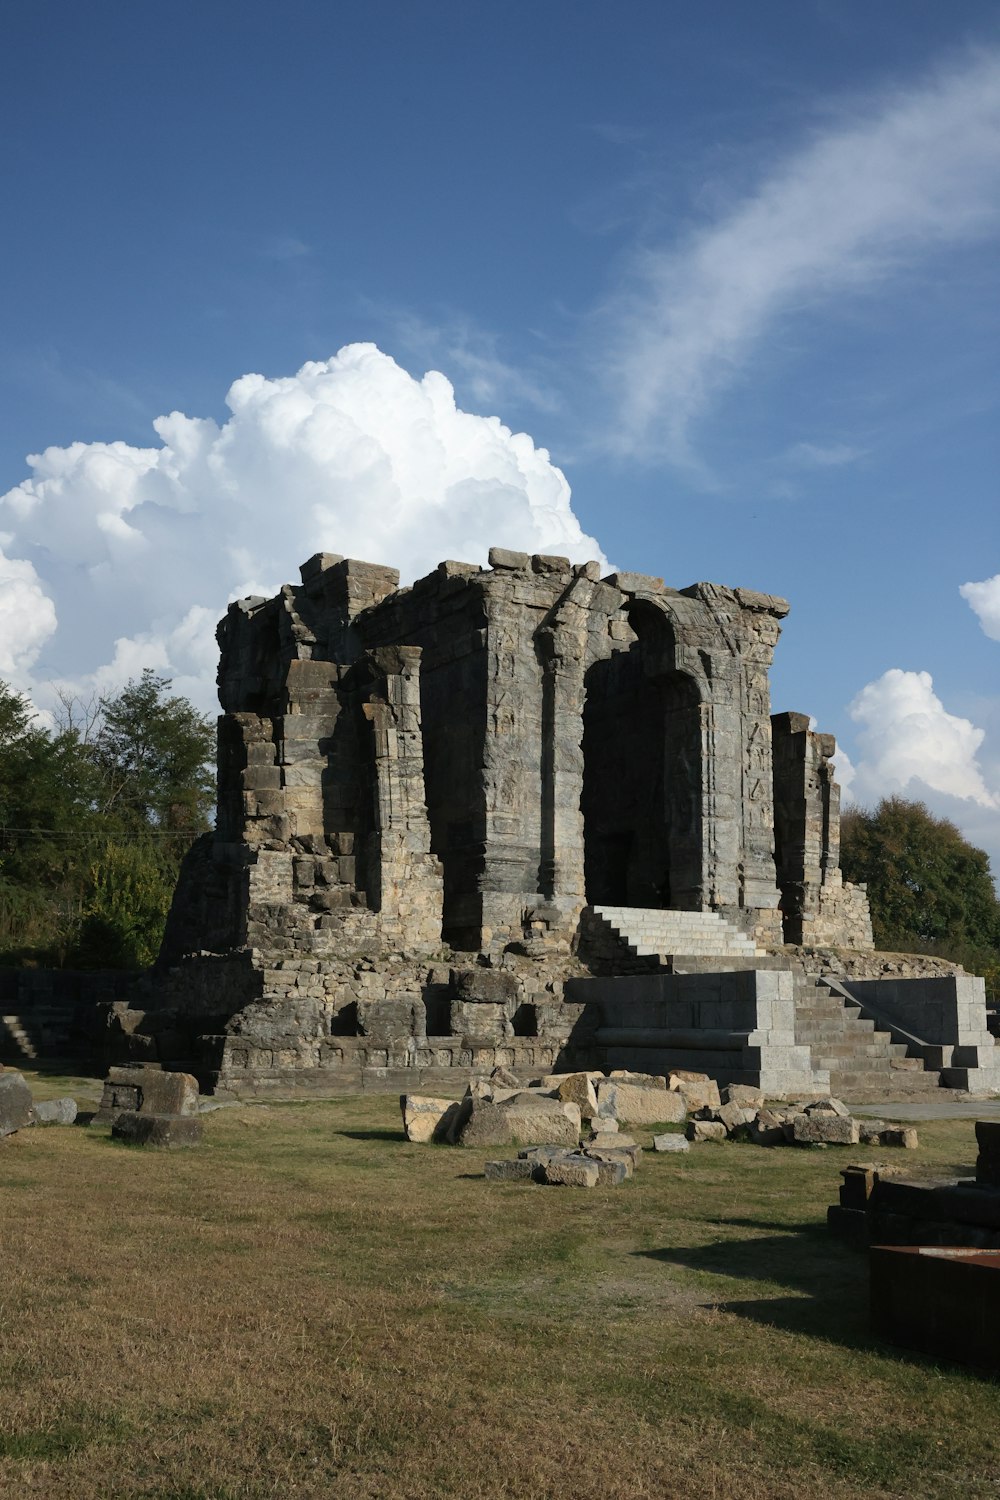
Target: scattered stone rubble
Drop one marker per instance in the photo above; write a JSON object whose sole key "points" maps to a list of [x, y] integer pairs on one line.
{"points": [[18, 1111], [547, 1117]]}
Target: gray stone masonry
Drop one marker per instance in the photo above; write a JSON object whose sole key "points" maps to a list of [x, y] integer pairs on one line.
{"points": [[422, 792]]}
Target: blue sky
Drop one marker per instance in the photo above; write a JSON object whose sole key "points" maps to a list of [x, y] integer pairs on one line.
{"points": [[734, 267]]}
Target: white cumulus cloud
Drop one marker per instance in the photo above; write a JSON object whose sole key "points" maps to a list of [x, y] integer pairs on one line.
{"points": [[909, 743], [879, 187], [138, 550], [984, 599]]}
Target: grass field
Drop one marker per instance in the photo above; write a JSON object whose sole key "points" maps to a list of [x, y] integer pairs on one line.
{"points": [[308, 1305]]}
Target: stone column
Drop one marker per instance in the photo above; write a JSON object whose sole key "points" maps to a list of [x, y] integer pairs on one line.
{"points": [[405, 885]]}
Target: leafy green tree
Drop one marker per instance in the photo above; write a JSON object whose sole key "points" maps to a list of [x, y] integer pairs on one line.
{"points": [[95, 819], [930, 889], [152, 755], [47, 789]]}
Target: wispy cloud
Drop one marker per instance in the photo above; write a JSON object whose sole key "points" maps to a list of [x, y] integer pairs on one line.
{"points": [[462, 347], [881, 186], [822, 455]]}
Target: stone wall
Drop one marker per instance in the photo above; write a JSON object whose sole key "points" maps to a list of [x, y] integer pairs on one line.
{"points": [[818, 905], [407, 775]]}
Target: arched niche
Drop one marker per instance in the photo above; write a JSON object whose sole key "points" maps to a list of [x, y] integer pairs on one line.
{"points": [[642, 771]]}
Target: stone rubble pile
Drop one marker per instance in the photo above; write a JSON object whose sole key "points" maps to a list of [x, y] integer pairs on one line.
{"points": [[547, 1118], [18, 1110]]}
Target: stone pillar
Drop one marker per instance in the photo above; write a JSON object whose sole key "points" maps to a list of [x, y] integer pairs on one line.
{"points": [[563, 649], [405, 885]]}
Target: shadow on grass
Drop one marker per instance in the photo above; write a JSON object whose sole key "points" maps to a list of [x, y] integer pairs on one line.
{"points": [[830, 1280], [384, 1134]]}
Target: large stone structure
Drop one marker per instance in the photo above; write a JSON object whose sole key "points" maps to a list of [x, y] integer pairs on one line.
{"points": [[466, 767]]}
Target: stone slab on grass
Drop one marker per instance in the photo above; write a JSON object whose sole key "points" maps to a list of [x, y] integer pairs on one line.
{"points": [[672, 1143], [518, 1170], [426, 1118], [55, 1111], [15, 1104], [706, 1130], [639, 1104], [157, 1130], [825, 1130], [572, 1170]]}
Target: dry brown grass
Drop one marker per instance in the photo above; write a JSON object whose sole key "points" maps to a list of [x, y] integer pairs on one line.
{"points": [[309, 1305]]}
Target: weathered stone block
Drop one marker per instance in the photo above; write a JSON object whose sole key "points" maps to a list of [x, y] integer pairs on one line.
{"points": [[572, 1171], [638, 1105], [825, 1129], [54, 1111], [147, 1090], [426, 1118], [767, 1128], [644, 1080], [696, 1089], [743, 1095], [15, 1104], [671, 1143], [518, 1170], [706, 1130], [157, 1130]]}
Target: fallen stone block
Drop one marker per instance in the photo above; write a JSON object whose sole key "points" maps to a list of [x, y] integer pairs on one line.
{"points": [[503, 1078], [706, 1130], [605, 1125], [743, 1095], [485, 1125], [54, 1111], [611, 1173], [543, 1121], [572, 1171], [578, 1088], [628, 1159], [696, 1089], [736, 1117], [540, 1153], [637, 1104], [157, 1130], [144, 1089], [767, 1129], [15, 1104], [889, 1135], [521, 1123], [644, 1080], [828, 1107], [829, 1130], [672, 1143], [517, 1170], [426, 1118]]}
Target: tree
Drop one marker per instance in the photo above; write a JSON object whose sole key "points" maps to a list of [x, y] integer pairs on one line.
{"points": [[95, 819], [46, 807], [930, 890], [152, 754]]}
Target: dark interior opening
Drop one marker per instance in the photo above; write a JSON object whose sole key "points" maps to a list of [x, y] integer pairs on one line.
{"points": [[525, 1020], [641, 797]]}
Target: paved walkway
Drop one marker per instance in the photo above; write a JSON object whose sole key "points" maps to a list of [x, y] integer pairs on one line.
{"points": [[951, 1106]]}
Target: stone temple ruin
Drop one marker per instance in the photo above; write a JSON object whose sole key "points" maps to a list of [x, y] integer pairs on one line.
{"points": [[521, 816]]}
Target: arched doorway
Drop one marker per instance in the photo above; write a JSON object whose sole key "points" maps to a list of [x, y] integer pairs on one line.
{"points": [[642, 774]]}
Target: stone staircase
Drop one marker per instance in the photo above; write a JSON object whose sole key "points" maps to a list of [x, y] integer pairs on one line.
{"points": [[40, 1031], [861, 1060], [656, 935]]}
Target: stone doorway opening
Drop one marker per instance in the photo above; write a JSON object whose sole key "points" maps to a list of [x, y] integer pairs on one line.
{"points": [[642, 775]]}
